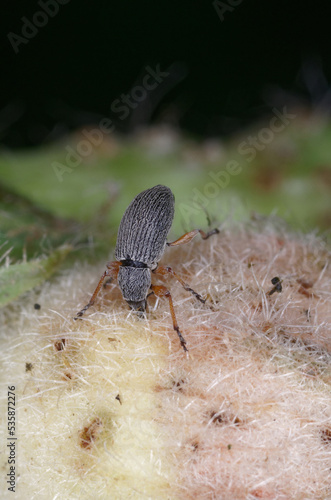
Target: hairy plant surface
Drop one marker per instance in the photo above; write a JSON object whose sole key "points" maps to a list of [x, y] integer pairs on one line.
{"points": [[111, 407]]}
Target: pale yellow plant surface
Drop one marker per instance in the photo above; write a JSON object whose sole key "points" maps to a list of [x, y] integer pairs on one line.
{"points": [[111, 407]]}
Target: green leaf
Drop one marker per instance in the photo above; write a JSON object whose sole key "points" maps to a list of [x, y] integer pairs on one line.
{"points": [[18, 278]]}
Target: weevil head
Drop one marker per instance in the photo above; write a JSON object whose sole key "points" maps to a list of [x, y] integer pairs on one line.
{"points": [[140, 306], [134, 284]]}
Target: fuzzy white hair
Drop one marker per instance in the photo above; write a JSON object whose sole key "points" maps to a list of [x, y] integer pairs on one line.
{"points": [[111, 406]]}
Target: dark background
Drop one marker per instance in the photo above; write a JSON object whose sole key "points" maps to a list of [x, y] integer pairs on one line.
{"points": [[223, 74]]}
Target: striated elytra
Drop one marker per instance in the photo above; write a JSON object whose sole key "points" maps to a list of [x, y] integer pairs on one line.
{"points": [[141, 241]]}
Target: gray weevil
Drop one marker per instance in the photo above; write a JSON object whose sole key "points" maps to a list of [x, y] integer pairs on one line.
{"points": [[141, 242]]}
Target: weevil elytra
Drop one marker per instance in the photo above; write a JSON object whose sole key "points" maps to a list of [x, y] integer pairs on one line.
{"points": [[141, 241]]}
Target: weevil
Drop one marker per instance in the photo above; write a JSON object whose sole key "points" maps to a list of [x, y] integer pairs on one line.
{"points": [[141, 242]]}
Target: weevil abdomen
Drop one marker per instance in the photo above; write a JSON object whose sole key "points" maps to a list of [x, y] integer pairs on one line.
{"points": [[144, 227]]}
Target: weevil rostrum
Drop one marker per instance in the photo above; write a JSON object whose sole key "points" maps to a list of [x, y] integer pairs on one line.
{"points": [[141, 241]]}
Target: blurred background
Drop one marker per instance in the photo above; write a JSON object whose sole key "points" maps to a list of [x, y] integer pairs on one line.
{"points": [[226, 102]]}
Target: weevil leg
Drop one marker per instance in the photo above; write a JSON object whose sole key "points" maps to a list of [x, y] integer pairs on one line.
{"points": [[187, 237], [111, 272], [162, 291], [166, 270]]}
